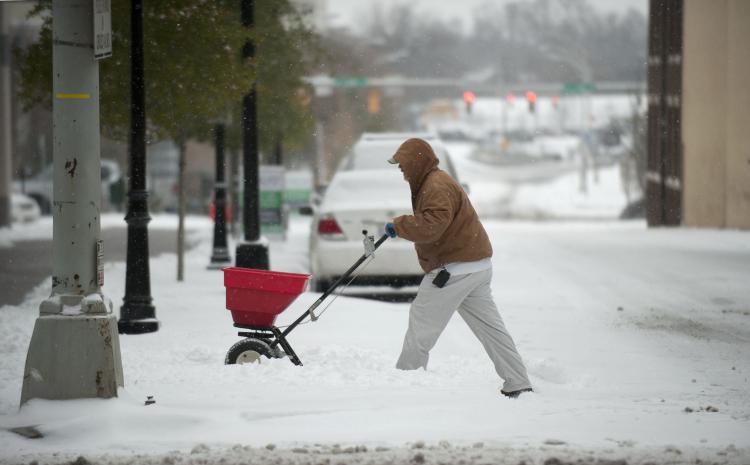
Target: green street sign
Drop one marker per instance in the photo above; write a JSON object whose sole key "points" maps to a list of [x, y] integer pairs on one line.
{"points": [[350, 82], [578, 87]]}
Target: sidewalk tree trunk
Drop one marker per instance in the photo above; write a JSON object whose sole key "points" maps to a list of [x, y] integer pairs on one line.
{"points": [[181, 211]]}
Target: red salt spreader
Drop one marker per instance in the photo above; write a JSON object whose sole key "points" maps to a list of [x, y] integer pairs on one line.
{"points": [[257, 297]]}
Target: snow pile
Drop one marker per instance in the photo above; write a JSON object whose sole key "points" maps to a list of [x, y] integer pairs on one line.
{"points": [[637, 342], [552, 452]]}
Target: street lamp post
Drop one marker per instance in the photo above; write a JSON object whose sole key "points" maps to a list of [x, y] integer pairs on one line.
{"points": [[220, 254], [137, 314], [233, 192], [252, 253], [5, 117]]}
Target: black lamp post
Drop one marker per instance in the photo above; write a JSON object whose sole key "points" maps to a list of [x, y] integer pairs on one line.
{"points": [[137, 314], [220, 254], [252, 253]]}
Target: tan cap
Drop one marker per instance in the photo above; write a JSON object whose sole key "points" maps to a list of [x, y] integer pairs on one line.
{"points": [[393, 160]]}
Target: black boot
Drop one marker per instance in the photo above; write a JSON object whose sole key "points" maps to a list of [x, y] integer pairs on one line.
{"points": [[515, 394]]}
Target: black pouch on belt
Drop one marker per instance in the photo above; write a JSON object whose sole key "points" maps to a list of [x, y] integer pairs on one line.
{"points": [[442, 277]]}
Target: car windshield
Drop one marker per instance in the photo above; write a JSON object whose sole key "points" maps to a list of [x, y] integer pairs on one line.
{"points": [[355, 189]]}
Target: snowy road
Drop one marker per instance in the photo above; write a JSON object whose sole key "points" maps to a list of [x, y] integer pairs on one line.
{"points": [[637, 342]]}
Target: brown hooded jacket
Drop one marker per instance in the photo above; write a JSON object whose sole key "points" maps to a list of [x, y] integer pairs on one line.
{"points": [[444, 227]]}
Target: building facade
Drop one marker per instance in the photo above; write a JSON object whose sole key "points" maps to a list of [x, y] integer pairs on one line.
{"points": [[716, 114], [699, 114]]}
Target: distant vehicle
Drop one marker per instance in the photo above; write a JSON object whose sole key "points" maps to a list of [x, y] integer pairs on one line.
{"points": [[23, 209], [372, 150], [358, 200], [454, 135], [39, 187], [161, 176], [298, 188]]}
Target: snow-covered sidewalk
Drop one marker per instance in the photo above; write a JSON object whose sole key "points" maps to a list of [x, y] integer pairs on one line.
{"points": [[637, 342]]}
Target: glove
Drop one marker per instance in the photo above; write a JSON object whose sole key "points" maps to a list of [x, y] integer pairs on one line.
{"points": [[390, 230]]}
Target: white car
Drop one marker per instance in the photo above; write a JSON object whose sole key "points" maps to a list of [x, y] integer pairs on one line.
{"points": [[355, 201], [39, 187], [23, 209], [373, 149]]}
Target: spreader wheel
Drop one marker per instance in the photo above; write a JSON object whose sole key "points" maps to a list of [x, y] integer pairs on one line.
{"points": [[248, 350]]}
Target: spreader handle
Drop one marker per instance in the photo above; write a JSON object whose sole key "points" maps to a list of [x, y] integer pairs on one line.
{"points": [[331, 288]]}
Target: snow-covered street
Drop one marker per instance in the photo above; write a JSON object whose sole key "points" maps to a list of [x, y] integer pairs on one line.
{"points": [[637, 342], [399, 172]]}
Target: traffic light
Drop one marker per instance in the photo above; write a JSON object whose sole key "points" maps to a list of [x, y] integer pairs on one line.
{"points": [[510, 98], [469, 98], [531, 98], [373, 101], [555, 101]]}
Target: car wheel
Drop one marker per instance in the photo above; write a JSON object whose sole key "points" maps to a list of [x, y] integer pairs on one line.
{"points": [[248, 350], [44, 205]]}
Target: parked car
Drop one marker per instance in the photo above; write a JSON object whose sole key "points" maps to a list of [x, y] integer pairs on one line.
{"points": [[23, 209], [372, 150], [358, 200], [39, 187]]}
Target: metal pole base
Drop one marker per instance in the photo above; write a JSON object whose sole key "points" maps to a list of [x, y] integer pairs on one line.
{"points": [[252, 255], [73, 357], [137, 317], [219, 259], [146, 325]]}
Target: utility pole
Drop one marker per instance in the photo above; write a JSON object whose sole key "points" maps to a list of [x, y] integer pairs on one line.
{"points": [[252, 253], [137, 314], [220, 254], [75, 349], [5, 116]]}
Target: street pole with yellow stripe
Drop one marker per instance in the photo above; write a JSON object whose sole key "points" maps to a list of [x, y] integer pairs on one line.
{"points": [[74, 350]]}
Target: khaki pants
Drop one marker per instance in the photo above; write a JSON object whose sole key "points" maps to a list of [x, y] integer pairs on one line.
{"points": [[470, 294]]}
